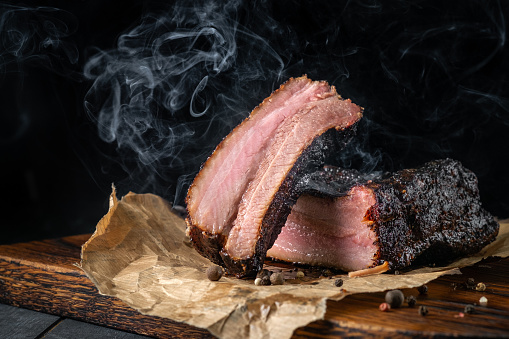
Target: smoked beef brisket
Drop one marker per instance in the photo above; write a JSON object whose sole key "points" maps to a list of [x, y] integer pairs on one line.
{"points": [[415, 216], [244, 192]]}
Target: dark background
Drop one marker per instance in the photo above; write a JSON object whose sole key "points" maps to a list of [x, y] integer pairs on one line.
{"points": [[432, 77]]}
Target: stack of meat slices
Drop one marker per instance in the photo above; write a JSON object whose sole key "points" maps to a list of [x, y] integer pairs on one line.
{"points": [[244, 194]]}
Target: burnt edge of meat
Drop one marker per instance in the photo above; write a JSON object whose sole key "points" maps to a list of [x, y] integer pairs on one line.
{"points": [[428, 215], [311, 159], [334, 182], [434, 207], [208, 244]]}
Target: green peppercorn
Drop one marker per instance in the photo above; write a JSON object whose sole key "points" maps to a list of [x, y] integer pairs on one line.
{"points": [[394, 298]]}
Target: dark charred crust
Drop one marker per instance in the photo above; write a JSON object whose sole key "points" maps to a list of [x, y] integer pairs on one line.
{"points": [[429, 215], [422, 216], [311, 159], [207, 244], [241, 268]]}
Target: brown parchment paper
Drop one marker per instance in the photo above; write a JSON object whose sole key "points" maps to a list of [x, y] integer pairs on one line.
{"points": [[140, 254]]}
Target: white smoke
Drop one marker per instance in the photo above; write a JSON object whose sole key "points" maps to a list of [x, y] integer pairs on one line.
{"points": [[175, 85], [39, 34]]}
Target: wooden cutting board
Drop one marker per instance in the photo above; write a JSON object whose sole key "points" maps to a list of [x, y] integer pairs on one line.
{"points": [[43, 276]]}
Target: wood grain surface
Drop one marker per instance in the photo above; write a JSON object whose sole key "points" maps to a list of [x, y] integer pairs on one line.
{"points": [[43, 276]]}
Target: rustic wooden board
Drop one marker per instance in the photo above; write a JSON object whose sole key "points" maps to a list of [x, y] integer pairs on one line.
{"points": [[43, 276]]}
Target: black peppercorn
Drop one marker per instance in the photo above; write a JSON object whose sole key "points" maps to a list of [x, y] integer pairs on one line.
{"points": [[214, 273], [423, 310], [411, 301], [422, 289], [265, 280], [394, 298], [338, 282], [470, 284], [262, 273], [469, 309]]}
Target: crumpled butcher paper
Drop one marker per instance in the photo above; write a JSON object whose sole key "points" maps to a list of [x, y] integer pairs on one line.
{"points": [[140, 254]]}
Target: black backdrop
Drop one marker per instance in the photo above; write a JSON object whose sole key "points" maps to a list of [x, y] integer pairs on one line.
{"points": [[431, 75]]}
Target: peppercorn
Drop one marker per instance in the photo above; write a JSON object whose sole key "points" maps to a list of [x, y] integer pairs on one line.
{"points": [[411, 301], [422, 289], [258, 281], [423, 310], [262, 273], [338, 282], [300, 274], [470, 283], [483, 301], [277, 278], [214, 273], [469, 309], [480, 287], [394, 298], [384, 307]]}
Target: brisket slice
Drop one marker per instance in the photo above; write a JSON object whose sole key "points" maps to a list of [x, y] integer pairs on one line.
{"points": [[240, 182], [431, 214], [254, 235]]}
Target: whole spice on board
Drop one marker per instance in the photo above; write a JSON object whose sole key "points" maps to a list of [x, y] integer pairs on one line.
{"points": [[480, 287], [384, 307], [423, 310], [469, 309], [411, 301], [277, 278], [214, 273], [423, 289], [394, 298]]}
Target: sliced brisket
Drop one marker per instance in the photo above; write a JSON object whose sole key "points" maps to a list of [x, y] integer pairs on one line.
{"points": [[239, 201], [416, 216]]}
